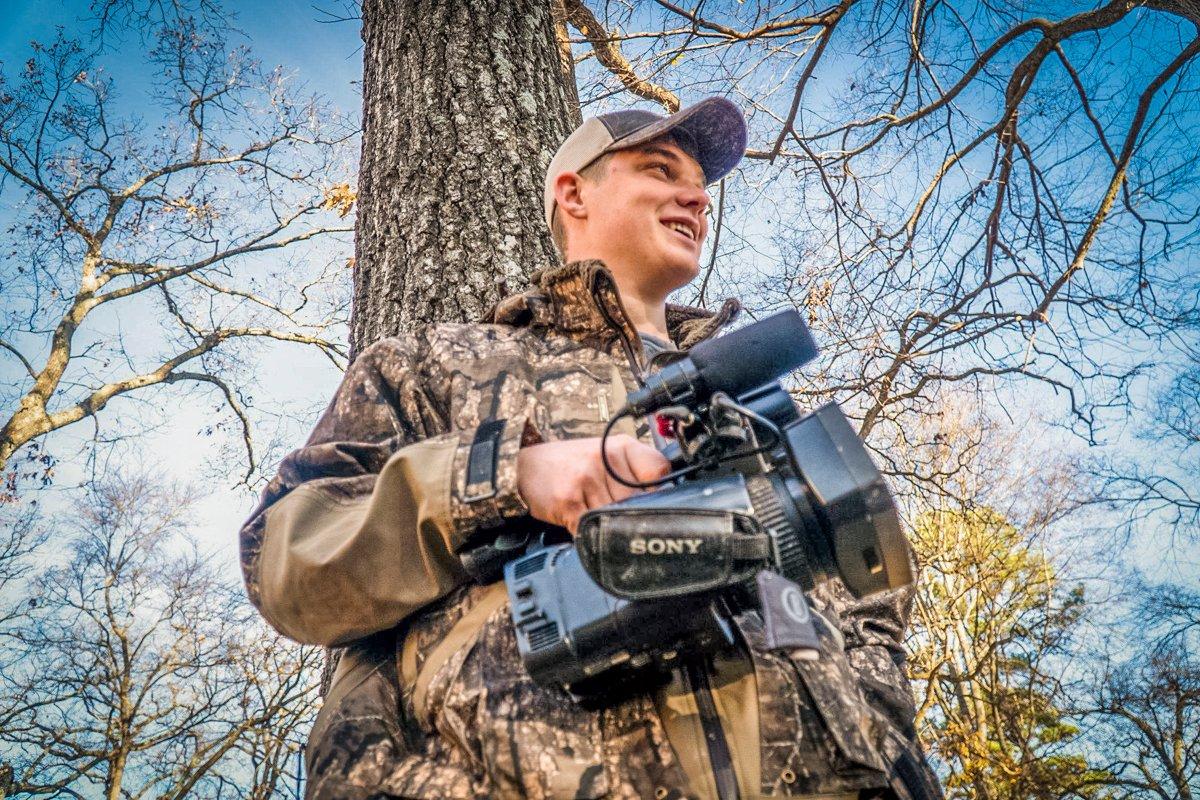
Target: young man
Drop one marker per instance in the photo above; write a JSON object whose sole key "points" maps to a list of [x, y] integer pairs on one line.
{"points": [[436, 439]]}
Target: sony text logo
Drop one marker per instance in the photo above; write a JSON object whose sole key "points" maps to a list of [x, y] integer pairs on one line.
{"points": [[656, 546]]}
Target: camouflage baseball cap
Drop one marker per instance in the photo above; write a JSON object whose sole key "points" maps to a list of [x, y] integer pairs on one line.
{"points": [[712, 131]]}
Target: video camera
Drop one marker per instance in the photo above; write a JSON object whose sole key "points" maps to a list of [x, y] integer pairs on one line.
{"points": [[756, 492]]}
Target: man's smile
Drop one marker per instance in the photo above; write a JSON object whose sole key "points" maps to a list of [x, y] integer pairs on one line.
{"points": [[684, 227]]}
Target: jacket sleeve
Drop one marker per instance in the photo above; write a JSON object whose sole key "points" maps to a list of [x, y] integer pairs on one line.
{"points": [[360, 527], [874, 629]]}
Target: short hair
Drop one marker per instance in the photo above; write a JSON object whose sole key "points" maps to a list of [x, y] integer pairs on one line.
{"points": [[592, 173]]}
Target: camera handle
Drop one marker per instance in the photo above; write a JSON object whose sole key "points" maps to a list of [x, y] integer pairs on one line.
{"points": [[485, 562]]}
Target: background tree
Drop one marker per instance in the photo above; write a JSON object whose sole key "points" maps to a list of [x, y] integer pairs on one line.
{"points": [[463, 106], [1162, 493], [1145, 702], [1148, 710], [166, 221], [996, 623], [138, 670], [20, 536]]}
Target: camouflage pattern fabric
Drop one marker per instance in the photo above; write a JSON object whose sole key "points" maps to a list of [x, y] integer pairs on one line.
{"points": [[555, 363]]}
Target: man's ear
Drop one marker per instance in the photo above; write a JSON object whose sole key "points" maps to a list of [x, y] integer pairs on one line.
{"points": [[568, 193]]}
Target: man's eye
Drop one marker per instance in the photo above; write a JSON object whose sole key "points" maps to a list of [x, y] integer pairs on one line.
{"points": [[666, 170]]}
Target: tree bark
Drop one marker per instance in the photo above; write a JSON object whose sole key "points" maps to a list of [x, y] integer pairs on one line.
{"points": [[463, 107]]}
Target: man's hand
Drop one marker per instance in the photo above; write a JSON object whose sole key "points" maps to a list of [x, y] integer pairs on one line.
{"points": [[559, 481]]}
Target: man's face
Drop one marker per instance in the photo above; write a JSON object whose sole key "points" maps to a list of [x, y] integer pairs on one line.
{"points": [[646, 217]]}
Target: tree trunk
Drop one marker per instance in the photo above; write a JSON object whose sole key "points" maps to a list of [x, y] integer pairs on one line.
{"points": [[463, 107], [464, 104]]}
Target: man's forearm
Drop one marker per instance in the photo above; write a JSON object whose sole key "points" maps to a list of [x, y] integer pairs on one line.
{"points": [[345, 556], [334, 569]]}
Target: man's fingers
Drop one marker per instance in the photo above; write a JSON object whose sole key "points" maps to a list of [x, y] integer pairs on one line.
{"points": [[571, 515], [559, 481], [644, 462], [618, 459], [596, 493]]}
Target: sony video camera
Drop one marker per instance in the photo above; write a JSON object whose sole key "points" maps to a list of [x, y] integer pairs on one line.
{"points": [[756, 487]]}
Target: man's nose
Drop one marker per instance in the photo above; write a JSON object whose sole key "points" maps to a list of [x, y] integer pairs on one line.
{"points": [[695, 198]]}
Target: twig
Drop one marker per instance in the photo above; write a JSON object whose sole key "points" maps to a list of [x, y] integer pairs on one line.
{"points": [[608, 53], [712, 256]]}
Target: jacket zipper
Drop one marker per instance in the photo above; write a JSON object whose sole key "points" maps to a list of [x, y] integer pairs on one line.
{"points": [[635, 366], [714, 736]]}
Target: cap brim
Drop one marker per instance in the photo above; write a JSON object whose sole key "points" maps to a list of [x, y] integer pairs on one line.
{"points": [[715, 125]]}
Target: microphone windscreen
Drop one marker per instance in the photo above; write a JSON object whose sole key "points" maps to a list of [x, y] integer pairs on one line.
{"points": [[755, 354]]}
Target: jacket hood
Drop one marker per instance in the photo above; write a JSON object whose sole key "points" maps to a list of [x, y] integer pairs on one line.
{"points": [[581, 300]]}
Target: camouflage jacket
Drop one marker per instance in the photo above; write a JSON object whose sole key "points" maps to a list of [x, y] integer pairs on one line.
{"points": [[360, 529]]}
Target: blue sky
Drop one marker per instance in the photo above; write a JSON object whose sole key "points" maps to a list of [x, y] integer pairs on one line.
{"points": [[324, 55], [294, 383], [325, 59]]}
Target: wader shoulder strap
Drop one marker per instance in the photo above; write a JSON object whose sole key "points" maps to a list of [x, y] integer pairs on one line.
{"points": [[462, 634]]}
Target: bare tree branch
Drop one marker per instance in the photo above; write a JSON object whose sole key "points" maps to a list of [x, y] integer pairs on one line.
{"points": [[242, 175], [141, 671], [608, 53]]}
